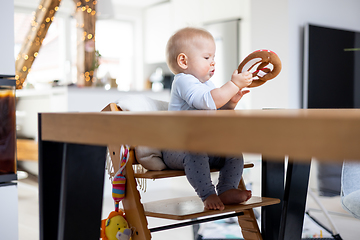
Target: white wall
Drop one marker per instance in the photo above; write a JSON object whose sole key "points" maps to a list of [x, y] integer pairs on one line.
{"points": [[278, 25], [162, 20], [344, 14], [269, 30], [7, 60], [9, 228]]}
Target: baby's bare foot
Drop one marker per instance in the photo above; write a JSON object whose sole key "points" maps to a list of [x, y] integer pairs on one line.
{"points": [[235, 196], [213, 202]]}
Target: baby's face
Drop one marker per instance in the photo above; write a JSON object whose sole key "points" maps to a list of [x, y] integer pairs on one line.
{"points": [[201, 62]]}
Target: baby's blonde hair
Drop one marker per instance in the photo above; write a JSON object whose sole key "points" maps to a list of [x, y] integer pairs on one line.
{"points": [[180, 42]]}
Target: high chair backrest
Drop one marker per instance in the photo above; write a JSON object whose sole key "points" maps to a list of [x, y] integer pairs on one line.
{"points": [[148, 157]]}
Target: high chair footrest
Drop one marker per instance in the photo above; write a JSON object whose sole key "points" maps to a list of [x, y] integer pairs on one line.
{"points": [[192, 207], [196, 221], [151, 174]]}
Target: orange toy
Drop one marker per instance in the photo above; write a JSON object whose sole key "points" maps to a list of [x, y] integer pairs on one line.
{"points": [[115, 227], [266, 63]]}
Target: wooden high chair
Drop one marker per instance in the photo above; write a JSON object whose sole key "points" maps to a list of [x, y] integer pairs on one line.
{"points": [[185, 208]]}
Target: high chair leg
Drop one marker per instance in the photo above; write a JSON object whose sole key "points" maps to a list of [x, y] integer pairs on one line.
{"points": [[134, 210], [249, 226]]}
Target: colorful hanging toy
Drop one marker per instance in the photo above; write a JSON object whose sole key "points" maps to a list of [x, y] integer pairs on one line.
{"points": [[119, 181], [115, 227]]}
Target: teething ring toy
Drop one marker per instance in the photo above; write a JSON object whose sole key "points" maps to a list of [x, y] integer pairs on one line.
{"points": [[266, 63]]}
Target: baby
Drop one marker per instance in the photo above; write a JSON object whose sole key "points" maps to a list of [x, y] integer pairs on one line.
{"points": [[190, 56]]}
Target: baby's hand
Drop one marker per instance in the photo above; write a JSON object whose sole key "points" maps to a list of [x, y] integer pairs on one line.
{"points": [[236, 98], [241, 79]]}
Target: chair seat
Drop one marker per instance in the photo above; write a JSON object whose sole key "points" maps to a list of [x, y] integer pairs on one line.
{"points": [[150, 174], [192, 207]]}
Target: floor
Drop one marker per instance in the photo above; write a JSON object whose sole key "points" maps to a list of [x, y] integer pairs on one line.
{"points": [[347, 226]]}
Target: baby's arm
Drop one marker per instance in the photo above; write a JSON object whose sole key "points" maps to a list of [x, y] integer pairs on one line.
{"points": [[228, 92], [231, 104]]}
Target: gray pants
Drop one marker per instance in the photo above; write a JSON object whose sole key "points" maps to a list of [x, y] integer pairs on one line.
{"points": [[197, 170], [350, 187]]}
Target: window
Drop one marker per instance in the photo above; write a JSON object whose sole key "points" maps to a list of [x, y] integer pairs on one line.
{"points": [[57, 56], [114, 41]]}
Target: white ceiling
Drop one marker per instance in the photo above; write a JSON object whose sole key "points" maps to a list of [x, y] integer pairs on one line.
{"points": [[127, 3], [69, 3], [137, 3]]}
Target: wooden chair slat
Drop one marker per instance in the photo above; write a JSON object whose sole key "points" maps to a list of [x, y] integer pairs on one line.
{"points": [[149, 174], [192, 207]]}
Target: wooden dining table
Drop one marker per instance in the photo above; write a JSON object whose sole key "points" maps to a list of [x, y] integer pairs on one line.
{"points": [[72, 153]]}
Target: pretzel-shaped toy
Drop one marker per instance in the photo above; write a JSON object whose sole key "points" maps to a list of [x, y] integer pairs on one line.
{"points": [[267, 63]]}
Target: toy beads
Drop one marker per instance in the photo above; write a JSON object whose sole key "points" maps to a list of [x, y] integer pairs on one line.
{"points": [[119, 181], [118, 192]]}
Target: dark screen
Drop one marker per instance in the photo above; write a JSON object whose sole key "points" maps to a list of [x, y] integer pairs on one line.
{"points": [[333, 68]]}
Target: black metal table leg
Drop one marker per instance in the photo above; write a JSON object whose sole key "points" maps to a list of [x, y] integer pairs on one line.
{"points": [[296, 188], [272, 185], [71, 181], [71, 198], [81, 192], [50, 171], [285, 220]]}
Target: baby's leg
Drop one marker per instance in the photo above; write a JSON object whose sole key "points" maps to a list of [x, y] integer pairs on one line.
{"points": [[229, 179], [197, 170]]}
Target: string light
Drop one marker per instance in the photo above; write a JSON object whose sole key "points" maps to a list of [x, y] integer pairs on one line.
{"points": [[39, 24], [86, 38]]}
